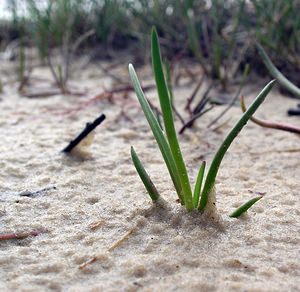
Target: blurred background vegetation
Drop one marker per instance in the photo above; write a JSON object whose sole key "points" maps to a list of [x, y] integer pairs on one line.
{"points": [[218, 34]]}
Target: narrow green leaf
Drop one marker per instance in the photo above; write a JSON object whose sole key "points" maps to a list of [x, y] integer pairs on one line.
{"points": [[166, 108], [242, 209], [214, 167], [159, 121], [198, 184], [275, 73], [149, 185], [157, 133], [167, 70]]}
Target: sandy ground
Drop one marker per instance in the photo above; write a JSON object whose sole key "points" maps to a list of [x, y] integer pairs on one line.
{"points": [[96, 208]]}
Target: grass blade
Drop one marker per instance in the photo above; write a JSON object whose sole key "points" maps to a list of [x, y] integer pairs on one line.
{"points": [[242, 209], [167, 69], [198, 184], [149, 185], [275, 73], [157, 133], [166, 108], [214, 167]]}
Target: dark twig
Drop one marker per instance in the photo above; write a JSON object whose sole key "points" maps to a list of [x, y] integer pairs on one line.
{"points": [[190, 122], [89, 128], [193, 95], [294, 112], [35, 193], [198, 110], [235, 98], [201, 104]]}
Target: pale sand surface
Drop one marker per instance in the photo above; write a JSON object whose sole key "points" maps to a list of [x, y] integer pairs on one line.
{"points": [[165, 249]]}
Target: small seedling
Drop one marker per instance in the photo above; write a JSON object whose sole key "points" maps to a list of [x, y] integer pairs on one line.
{"points": [[151, 189], [243, 209], [168, 143]]}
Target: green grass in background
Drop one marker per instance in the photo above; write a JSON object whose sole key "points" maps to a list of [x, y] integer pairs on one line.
{"points": [[219, 34]]}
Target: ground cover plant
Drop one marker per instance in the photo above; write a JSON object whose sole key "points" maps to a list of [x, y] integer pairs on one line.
{"points": [[168, 143], [50, 26], [219, 34]]}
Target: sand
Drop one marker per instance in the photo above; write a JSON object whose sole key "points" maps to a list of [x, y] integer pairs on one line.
{"points": [[104, 234]]}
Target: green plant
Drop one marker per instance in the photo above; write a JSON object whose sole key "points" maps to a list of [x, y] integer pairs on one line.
{"points": [[219, 34], [23, 69], [242, 209], [214, 37], [275, 73], [110, 20], [56, 24], [169, 145]]}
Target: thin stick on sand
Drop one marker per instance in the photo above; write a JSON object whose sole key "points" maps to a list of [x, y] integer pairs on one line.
{"points": [[114, 245], [21, 235], [86, 263], [119, 241], [271, 124], [88, 129]]}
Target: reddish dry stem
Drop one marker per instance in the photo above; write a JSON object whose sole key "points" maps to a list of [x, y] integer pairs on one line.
{"points": [[90, 261], [96, 224], [121, 240], [271, 124], [21, 235]]}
